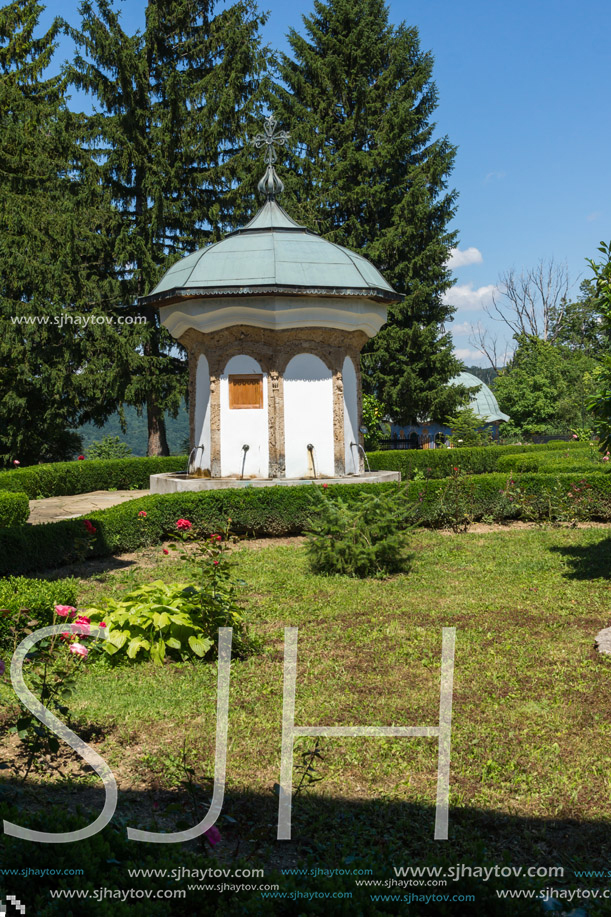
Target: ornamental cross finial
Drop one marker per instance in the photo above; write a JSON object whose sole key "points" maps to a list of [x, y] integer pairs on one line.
{"points": [[269, 138], [270, 185]]}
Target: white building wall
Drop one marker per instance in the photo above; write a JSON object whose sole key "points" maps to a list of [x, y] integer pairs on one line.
{"points": [[201, 457], [351, 418], [243, 426], [308, 417]]}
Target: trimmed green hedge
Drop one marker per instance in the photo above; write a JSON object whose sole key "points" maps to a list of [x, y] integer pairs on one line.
{"points": [[14, 509], [438, 463], [286, 511], [568, 461], [61, 479]]}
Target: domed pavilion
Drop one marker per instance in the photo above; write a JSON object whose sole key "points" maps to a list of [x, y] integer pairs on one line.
{"points": [[274, 318]]}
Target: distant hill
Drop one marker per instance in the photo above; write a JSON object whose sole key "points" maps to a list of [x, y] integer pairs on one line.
{"points": [[136, 435], [485, 373]]}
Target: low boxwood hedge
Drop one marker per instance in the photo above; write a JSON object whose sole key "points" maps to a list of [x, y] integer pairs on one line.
{"points": [[61, 479], [287, 511], [567, 461], [14, 509], [439, 463]]}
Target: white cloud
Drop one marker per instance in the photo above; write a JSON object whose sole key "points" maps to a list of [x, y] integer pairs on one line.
{"points": [[460, 327], [494, 176], [591, 217], [470, 255], [467, 299], [470, 357]]}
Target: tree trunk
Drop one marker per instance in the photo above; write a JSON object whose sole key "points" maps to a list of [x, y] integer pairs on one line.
{"points": [[157, 440]]}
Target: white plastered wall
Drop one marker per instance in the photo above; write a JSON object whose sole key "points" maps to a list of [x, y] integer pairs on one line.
{"points": [[351, 421], [243, 426], [308, 417], [201, 457]]}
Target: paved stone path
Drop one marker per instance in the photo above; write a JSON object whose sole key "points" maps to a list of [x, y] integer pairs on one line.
{"points": [[52, 509]]}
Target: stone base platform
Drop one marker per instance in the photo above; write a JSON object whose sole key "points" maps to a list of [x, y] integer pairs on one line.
{"points": [[179, 483]]}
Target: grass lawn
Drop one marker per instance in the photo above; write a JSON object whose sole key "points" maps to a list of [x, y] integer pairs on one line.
{"points": [[530, 768]]}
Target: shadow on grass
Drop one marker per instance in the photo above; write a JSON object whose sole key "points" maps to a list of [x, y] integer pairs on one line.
{"points": [[592, 561], [329, 834]]}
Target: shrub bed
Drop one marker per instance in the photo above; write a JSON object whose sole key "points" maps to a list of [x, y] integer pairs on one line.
{"points": [[288, 511], [438, 463], [14, 509], [61, 479]]}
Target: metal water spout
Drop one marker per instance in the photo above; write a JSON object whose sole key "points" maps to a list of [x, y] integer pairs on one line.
{"points": [[358, 446], [310, 449], [193, 450], [245, 449]]}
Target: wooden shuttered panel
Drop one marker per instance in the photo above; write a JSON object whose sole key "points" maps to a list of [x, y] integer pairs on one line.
{"points": [[246, 391]]}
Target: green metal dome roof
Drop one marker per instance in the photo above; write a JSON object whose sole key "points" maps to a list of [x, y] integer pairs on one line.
{"points": [[484, 404], [272, 255]]}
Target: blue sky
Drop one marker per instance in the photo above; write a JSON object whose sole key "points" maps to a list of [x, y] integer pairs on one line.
{"points": [[523, 90]]}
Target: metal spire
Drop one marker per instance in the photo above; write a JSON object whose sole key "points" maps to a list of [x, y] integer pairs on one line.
{"points": [[270, 185]]}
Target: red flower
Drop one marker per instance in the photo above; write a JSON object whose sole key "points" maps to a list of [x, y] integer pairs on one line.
{"points": [[455, 469], [165, 551], [216, 563], [325, 485], [142, 512], [89, 526], [184, 524], [81, 458]]}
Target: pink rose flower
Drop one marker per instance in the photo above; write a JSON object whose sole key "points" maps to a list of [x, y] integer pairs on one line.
{"points": [[213, 836], [216, 563], [81, 458], [184, 524], [142, 513], [79, 650], [605, 458], [83, 622], [65, 610], [16, 462], [575, 436], [325, 486], [102, 624], [89, 526], [165, 551]]}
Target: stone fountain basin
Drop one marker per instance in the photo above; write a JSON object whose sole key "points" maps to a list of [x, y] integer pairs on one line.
{"points": [[181, 482]]}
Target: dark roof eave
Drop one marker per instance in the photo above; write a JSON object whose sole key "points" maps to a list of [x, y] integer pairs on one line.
{"points": [[177, 294]]}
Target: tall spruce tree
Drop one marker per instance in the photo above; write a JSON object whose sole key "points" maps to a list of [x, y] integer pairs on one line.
{"points": [[357, 96], [173, 103], [54, 272]]}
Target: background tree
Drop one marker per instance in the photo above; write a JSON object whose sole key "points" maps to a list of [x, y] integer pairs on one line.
{"points": [[545, 388], [173, 105], [367, 172], [54, 268], [580, 326], [601, 399], [468, 429], [529, 304]]}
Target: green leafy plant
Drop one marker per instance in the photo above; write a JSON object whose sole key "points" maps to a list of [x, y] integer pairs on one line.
{"points": [[156, 620], [364, 538], [109, 447], [177, 619], [457, 500]]}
